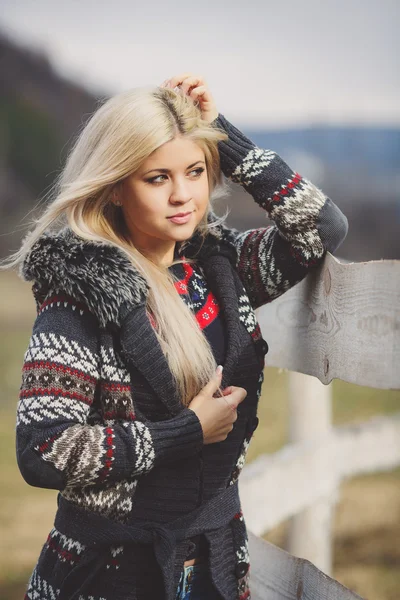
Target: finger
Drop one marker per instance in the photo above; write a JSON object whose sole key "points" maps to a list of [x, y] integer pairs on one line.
{"points": [[190, 82], [242, 397], [227, 390], [212, 386], [231, 405], [238, 395], [200, 92], [178, 79], [218, 393]]}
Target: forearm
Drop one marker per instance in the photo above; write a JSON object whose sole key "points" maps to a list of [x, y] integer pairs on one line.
{"points": [[82, 455], [303, 214], [58, 445], [307, 223]]}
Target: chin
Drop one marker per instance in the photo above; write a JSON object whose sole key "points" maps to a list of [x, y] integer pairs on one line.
{"points": [[184, 231], [184, 236]]}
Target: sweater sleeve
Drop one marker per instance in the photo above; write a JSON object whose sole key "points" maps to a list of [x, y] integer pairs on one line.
{"points": [[307, 223], [56, 444]]}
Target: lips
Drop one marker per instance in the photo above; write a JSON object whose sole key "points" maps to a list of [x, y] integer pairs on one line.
{"points": [[179, 215], [181, 219]]}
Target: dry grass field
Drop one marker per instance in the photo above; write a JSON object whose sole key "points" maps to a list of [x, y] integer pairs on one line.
{"points": [[367, 519]]}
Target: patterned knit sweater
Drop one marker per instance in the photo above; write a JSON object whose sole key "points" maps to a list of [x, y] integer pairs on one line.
{"points": [[99, 416]]}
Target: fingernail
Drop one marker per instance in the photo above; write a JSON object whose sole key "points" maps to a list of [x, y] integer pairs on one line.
{"points": [[219, 369]]}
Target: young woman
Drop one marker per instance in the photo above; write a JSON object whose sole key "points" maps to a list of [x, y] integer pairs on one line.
{"points": [[141, 292]]}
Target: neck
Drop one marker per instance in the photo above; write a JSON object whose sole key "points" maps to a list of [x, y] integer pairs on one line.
{"points": [[161, 257]]}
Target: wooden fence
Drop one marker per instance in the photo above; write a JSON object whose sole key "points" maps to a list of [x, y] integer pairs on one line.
{"points": [[342, 321]]}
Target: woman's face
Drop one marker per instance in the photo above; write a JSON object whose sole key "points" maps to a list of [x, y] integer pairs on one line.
{"points": [[172, 180]]}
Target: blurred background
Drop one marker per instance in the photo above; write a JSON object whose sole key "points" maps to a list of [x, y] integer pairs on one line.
{"points": [[316, 82]]}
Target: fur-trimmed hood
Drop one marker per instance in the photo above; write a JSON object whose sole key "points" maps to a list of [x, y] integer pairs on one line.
{"points": [[99, 274]]}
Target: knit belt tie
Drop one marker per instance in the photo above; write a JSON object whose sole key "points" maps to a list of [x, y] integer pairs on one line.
{"points": [[98, 533]]}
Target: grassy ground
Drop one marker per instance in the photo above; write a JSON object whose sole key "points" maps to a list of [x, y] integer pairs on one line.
{"points": [[367, 519]]}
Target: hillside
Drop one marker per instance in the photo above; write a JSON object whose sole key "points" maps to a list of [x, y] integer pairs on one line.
{"points": [[39, 115]]}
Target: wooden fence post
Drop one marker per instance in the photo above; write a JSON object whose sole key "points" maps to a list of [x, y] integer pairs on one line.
{"points": [[310, 410]]}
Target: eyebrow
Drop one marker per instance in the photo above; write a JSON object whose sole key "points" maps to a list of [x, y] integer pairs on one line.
{"points": [[168, 170]]}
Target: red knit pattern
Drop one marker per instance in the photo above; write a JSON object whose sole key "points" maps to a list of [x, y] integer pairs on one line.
{"points": [[41, 364], [284, 191], [210, 310], [64, 554], [182, 285], [109, 454], [54, 392], [114, 387]]}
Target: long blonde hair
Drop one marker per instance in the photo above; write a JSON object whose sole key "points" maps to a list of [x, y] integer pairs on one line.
{"points": [[118, 137]]}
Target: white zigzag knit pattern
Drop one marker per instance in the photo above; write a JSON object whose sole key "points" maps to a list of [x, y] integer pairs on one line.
{"points": [[144, 448], [112, 368], [270, 275], [56, 348], [39, 408], [46, 353], [66, 543], [40, 589], [247, 314], [303, 206], [113, 502], [254, 163]]}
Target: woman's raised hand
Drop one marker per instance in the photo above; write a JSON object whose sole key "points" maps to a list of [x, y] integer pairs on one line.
{"points": [[197, 89], [217, 415]]}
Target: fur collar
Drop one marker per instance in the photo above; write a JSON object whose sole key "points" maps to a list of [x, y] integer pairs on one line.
{"points": [[100, 275]]}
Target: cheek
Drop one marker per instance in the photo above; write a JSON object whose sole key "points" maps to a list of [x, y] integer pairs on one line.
{"points": [[144, 203], [149, 216], [203, 197]]}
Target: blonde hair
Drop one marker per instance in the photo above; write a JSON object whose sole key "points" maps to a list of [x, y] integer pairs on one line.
{"points": [[118, 137]]}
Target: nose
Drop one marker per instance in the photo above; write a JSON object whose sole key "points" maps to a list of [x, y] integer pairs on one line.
{"points": [[180, 193]]}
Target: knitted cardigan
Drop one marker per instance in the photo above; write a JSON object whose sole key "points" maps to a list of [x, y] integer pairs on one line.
{"points": [[100, 418]]}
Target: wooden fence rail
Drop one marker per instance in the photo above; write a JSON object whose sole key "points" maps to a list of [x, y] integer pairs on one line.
{"points": [[342, 321], [277, 486], [277, 575]]}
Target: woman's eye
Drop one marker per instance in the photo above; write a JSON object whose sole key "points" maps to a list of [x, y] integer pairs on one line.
{"points": [[154, 179], [198, 171], [158, 179]]}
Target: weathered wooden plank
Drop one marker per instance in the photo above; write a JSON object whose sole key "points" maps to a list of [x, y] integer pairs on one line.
{"points": [[342, 320], [310, 416], [278, 486], [277, 575]]}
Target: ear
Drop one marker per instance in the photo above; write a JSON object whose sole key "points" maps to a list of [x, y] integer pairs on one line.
{"points": [[116, 194]]}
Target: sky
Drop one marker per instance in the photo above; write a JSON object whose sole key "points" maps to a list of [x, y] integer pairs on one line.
{"points": [[266, 63]]}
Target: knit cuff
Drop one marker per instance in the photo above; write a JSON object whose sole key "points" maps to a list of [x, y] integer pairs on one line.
{"points": [[232, 151], [179, 437], [262, 173]]}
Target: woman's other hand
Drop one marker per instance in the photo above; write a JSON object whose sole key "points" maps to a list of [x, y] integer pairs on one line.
{"points": [[217, 415], [197, 89]]}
